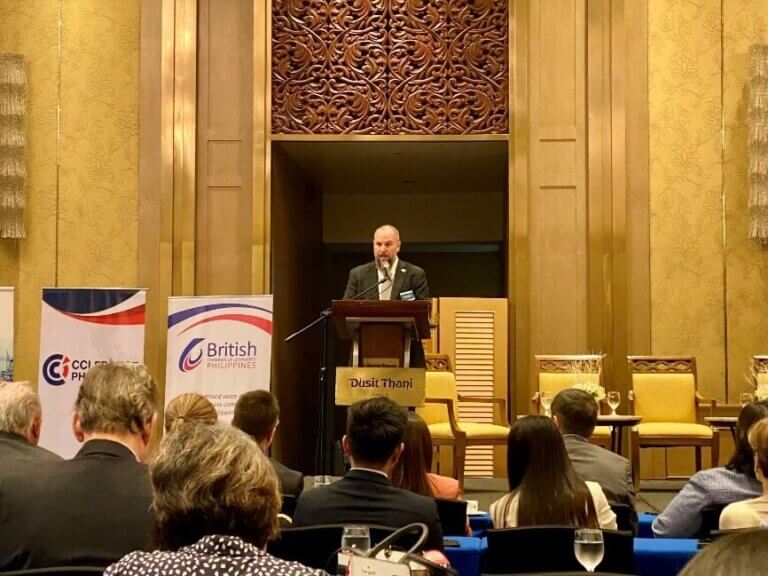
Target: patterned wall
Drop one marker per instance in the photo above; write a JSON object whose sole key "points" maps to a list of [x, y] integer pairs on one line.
{"points": [[390, 67], [703, 275], [98, 180]]}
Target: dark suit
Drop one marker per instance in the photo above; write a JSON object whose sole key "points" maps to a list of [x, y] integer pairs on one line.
{"points": [[364, 497], [17, 456], [407, 277], [90, 510], [291, 481], [611, 471]]}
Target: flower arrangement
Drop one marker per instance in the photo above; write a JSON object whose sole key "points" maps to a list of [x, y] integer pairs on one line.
{"points": [[759, 385], [587, 373]]}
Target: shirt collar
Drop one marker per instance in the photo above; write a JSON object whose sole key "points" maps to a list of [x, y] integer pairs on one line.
{"points": [[219, 545], [379, 472]]}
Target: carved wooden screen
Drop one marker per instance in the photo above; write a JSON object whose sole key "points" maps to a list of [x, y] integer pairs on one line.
{"points": [[390, 67]]}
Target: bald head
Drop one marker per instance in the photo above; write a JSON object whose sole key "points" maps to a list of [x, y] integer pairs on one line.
{"points": [[386, 244]]}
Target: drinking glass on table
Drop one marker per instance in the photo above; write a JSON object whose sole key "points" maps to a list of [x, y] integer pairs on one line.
{"points": [[546, 402], [745, 398], [614, 399], [356, 537], [588, 547]]}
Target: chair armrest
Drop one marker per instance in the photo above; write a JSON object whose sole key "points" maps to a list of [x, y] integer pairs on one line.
{"points": [[703, 403], [499, 404], [452, 420]]}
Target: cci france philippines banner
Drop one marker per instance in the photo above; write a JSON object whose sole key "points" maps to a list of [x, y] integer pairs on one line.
{"points": [[80, 327], [6, 333], [219, 347]]}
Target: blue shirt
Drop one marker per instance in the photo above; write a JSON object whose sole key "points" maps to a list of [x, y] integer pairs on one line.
{"points": [[713, 487]]}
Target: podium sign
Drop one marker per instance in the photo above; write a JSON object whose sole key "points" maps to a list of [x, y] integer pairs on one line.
{"points": [[405, 386]]}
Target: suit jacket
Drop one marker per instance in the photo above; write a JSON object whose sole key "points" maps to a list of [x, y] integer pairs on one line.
{"points": [[90, 510], [20, 457], [291, 481], [407, 277], [611, 471], [365, 497]]}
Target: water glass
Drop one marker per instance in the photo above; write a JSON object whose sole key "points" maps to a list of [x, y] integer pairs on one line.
{"points": [[614, 399], [745, 398], [546, 402], [357, 537], [588, 547]]}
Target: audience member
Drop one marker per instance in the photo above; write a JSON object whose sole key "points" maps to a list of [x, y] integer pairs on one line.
{"points": [[733, 555], [752, 513], [95, 508], [412, 471], [20, 421], [373, 442], [575, 413], [189, 407], [543, 486], [214, 513], [716, 486], [258, 415]]}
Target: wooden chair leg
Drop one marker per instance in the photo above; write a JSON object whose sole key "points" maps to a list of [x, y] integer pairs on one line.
{"points": [[698, 458], [715, 448], [635, 437], [459, 456]]}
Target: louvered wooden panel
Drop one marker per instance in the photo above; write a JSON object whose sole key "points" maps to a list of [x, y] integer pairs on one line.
{"points": [[473, 331]]}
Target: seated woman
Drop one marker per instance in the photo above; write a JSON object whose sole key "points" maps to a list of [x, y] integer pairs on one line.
{"points": [[717, 486], [752, 513], [215, 501], [543, 486], [412, 471], [189, 407]]}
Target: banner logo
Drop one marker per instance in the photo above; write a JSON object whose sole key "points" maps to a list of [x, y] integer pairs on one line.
{"points": [[56, 369], [186, 362]]}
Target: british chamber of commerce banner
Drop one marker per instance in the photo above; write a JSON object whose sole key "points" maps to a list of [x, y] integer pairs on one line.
{"points": [[80, 327], [219, 347], [6, 333]]}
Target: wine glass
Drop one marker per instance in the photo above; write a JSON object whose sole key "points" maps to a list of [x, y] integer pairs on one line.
{"points": [[356, 537], [588, 547], [614, 399], [546, 402], [745, 398]]}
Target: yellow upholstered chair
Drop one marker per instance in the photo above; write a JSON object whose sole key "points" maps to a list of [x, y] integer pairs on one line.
{"points": [[556, 373], [441, 414], [663, 392]]}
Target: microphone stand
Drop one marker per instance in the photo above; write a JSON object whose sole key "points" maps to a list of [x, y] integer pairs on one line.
{"points": [[322, 319]]}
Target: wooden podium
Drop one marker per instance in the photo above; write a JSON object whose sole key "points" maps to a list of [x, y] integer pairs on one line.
{"points": [[380, 364]]}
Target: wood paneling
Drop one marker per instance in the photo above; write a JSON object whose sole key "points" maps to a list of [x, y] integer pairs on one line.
{"points": [[225, 147]]}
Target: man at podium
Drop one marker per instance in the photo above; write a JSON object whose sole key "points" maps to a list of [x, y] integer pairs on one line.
{"points": [[387, 277]]}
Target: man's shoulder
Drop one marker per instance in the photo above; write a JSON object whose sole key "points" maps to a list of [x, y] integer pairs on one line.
{"points": [[410, 268], [584, 450], [363, 268]]}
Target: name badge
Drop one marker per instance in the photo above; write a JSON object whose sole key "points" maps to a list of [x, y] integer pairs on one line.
{"points": [[408, 295]]}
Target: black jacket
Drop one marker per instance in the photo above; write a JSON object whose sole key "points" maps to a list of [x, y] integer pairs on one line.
{"points": [[407, 277], [90, 510], [17, 456], [364, 497]]}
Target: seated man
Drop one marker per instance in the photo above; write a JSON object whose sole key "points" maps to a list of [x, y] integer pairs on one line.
{"points": [[373, 442], [575, 413], [95, 508], [20, 422], [257, 414]]}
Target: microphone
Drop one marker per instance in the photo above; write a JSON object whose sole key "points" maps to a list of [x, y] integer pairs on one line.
{"points": [[364, 292], [385, 271]]}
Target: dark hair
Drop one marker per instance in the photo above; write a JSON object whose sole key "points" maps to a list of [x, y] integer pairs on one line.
{"points": [[541, 473], [256, 413], [375, 428], [576, 412], [745, 552], [410, 472], [742, 459]]}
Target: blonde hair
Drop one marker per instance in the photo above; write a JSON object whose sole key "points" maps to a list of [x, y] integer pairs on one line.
{"points": [[212, 479], [116, 397], [19, 407], [189, 407]]}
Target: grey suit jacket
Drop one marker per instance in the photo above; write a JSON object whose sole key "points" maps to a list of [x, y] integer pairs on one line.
{"points": [[291, 481], [408, 277], [20, 457], [611, 471]]}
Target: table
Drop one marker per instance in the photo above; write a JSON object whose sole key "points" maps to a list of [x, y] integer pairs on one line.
{"points": [[723, 422], [663, 556], [617, 423], [479, 523], [644, 525], [653, 556]]}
